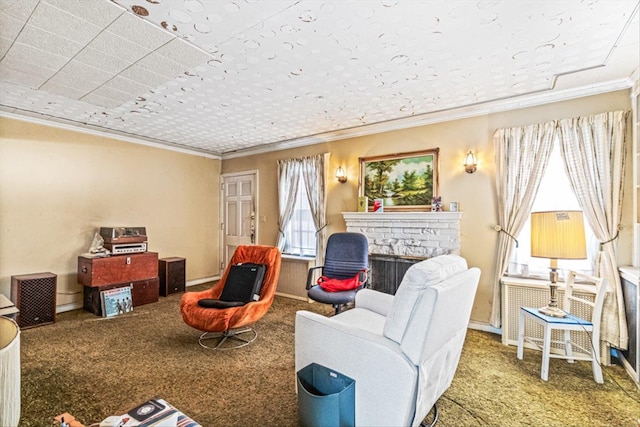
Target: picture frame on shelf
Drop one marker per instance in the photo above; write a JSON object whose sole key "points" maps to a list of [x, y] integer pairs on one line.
{"points": [[404, 181]]}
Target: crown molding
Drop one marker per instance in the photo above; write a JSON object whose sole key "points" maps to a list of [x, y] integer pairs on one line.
{"points": [[83, 128], [440, 116], [472, 110]]}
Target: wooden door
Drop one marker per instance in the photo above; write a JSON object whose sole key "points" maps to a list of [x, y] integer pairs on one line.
{"points": [[239, 209]]}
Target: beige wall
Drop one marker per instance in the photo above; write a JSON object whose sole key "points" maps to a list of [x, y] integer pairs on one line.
{"points": [[57, 187], [474, 192]]}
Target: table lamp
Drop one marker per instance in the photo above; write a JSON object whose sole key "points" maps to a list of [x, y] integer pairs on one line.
{"points": [[557, 235]]}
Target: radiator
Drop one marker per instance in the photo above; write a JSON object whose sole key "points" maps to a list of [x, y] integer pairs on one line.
{"points": [[520, 292], [293, 277]]}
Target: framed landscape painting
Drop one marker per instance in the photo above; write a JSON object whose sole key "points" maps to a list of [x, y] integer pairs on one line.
{"points": [[404, 182]]}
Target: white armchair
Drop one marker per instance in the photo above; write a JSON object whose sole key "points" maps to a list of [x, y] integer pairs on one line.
{"points": [[403, 350]]}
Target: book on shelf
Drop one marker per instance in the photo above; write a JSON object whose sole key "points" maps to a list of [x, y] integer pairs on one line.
{"points": [[116, 301]]}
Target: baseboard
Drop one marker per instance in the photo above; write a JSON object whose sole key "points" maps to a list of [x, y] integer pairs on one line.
{"points": [[296, 297], [202, 280], [68, 307], [627, 366], [485, 327]]}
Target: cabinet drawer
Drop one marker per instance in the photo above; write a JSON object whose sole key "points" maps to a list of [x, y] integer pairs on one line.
{"points": [[142, 292], [117, 269]]}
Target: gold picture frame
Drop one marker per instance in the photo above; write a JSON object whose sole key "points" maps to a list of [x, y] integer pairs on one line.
{"points": [[405, 181]]}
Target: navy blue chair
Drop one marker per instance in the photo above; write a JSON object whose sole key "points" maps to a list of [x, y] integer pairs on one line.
{"points": [[346, 255]]}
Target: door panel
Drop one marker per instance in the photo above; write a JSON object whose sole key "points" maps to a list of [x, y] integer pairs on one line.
{"points": [[239, 213]]}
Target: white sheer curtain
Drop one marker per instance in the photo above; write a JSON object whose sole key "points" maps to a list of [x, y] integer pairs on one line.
{"points": [[594, 150], [288, 181], [314, 177], [521, 157]]}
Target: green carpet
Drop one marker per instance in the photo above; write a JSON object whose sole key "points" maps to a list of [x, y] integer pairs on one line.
{"points": [[93, 367]]}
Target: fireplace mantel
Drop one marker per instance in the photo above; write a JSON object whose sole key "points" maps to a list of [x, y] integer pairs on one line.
{"points": [[415, 234]]}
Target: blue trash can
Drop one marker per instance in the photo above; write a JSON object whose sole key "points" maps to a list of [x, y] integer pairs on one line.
{"points": [[326, 398]]}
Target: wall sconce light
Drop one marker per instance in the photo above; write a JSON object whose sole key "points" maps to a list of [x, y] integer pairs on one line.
{"points": [[341, 175], [470, 162]]}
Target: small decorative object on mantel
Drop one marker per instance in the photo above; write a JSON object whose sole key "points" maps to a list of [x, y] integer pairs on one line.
{"points": [[453, 206], [436, 204], [363, 204], [378, 205]]}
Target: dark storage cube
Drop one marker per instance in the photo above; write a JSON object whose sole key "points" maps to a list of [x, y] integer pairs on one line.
{"points": [[172, 272], [35, 297], [325, 397]]}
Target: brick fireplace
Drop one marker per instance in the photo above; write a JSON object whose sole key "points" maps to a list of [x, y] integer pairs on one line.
{"points": [[414, 234], [399, 239]]}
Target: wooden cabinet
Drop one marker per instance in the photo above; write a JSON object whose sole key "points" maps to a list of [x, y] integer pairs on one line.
{"points": [[117, 269], [139, 271]]}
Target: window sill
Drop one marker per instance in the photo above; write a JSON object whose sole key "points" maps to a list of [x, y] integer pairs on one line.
{"points": [[298, 257]]}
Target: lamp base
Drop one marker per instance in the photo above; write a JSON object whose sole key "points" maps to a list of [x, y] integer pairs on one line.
{"points": [[552, 311]]}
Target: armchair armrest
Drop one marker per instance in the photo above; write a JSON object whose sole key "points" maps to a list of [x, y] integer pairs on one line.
{"points": [[310, 275], [373, 361], [375, 301]]}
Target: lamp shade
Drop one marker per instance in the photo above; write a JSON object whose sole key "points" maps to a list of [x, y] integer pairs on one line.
{"points": [[558, 235]]}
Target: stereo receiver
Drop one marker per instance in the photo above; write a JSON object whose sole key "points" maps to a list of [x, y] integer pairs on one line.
{"points": [[126, 248]]}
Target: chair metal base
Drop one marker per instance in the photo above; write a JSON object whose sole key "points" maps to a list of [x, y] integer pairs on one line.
{"points": [[231, 337], [433, 422]]}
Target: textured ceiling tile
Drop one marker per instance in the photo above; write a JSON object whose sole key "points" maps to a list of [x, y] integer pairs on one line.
{"points": [[73, 90], [180, 51], [160, 64], [111, 44], [33, 36], [39, 59], [81, 71], [113, 93], [19, 77], [79, 75], [132, 88], [5, 44], [56, 21], [40, 63], [98, 59], [10, 26], [303, 67], [19, 9], [143, 75], [139, 31], [100, 13], [95, 99]]}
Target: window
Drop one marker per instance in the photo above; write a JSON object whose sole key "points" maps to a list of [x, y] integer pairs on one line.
{"points": [[300, 235], [554, 193]]}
